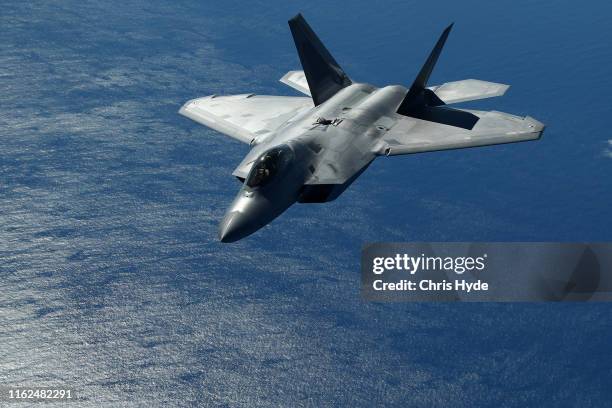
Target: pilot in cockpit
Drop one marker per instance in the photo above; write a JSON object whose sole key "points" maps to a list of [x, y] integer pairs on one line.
{"points": [[268, 165]]}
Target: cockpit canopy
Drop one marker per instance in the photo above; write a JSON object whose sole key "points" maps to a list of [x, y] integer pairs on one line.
{"points": [[269, 165]]}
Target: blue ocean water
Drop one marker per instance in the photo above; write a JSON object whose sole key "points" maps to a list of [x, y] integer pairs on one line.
{"points": [[114, 284]]}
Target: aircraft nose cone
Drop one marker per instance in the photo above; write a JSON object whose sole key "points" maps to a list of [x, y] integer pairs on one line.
{"points": [[233, 227], [248, 213]]}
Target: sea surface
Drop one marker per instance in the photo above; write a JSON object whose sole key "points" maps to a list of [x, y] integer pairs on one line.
{"points": [[113, 283]]}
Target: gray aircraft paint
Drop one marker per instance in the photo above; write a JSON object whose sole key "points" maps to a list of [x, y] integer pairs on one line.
{"points": [[334, 142]]}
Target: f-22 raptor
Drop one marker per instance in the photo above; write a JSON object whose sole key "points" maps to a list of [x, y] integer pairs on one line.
{"points": [[310, 149]]}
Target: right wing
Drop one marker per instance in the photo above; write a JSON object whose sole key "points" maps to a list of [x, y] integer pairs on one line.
{"points": [[245, 117], [412, 135], [468, 90]]}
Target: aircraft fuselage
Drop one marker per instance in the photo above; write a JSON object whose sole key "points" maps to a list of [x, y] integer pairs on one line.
{"points": [[341, 134]]}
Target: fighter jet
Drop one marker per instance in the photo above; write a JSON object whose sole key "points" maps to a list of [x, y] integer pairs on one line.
{"points": [[309, 149]]}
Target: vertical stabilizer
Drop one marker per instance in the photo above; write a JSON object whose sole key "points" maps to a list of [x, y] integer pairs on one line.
{"points": [[323, 74], [420, 82], [423, 103]]}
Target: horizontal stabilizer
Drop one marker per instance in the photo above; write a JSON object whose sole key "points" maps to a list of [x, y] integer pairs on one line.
{"points": [[468, 90], [296, 80]]}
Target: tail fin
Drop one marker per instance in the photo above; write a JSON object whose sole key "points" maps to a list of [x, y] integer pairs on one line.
{"points": [[420, 82], [423, 103], [324, 75]]}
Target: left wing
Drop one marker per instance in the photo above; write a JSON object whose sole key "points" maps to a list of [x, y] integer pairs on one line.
{"points": [[412, 135], [245, 117]]}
